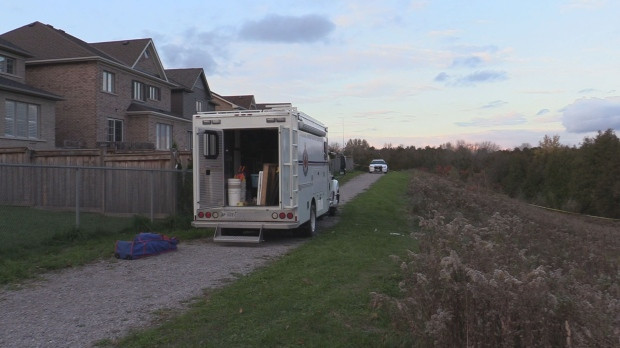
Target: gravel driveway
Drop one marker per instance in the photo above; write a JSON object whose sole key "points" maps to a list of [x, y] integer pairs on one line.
{"points": [[77, 307]]}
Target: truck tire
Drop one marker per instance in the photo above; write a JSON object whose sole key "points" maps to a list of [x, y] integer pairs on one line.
{"points": [[332, 209], [309, 228]]}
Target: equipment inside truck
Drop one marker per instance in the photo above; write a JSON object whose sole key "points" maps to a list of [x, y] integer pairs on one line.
{"points": [[248, 151]]}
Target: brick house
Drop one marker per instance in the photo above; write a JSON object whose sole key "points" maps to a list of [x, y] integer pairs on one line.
{"points": [[222, 104], [243, 102], [116, 94], [27, 113], [191, 94]]}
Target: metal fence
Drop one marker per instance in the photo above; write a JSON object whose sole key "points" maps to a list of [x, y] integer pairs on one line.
{"points": [[153, 193]]}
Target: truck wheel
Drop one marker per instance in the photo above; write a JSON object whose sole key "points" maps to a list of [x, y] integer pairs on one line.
{"points": [[332, 209], [310, 226]]}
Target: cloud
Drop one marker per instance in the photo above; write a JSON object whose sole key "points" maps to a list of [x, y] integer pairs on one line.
{"points": [[543, 112], [593, 114], [194, 48], [501, 120], [442, 77], [483, 76], [588, 90], [287, 29], [471, 79], [494, 104], [182, 56], [468, 62]]}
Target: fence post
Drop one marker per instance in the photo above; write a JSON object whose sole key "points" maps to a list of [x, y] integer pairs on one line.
{"points": [[152, 193], [77, 197]]}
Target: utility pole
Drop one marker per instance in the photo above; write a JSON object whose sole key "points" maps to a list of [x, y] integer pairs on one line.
{"points": [[343, 144]]}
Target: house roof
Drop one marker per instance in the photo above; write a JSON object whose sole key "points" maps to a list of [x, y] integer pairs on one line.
{"points": [[219, 100], [185, 78], [18, 87], [44, 43], [126, 51], [137, 108], [10, 47], [245, 101], [266, 106], [47, 44], [132, 52]]}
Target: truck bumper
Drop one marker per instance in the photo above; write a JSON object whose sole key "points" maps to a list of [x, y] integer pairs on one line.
{"points": [[246, 224]]}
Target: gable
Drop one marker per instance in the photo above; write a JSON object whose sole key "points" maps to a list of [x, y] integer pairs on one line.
{"points": [[190, 79], [139, 54]]}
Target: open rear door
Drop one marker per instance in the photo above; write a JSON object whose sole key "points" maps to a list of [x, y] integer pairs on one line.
{"points": [[288, 167], [211, 168]]}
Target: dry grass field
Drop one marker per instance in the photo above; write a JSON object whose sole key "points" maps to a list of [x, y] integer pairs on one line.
{"points": [[494, 272]]}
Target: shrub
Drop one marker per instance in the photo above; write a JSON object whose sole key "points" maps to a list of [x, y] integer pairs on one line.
{"points": [[494, 273]]}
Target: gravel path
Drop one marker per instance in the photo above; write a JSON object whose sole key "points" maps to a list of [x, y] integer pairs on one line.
{"points": [[77, 307]]}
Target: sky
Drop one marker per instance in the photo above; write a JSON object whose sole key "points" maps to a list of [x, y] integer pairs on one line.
{"points": [[393, 72]]}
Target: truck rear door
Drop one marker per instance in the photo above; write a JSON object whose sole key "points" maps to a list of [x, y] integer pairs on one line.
{"points": [[211, 167], [289, 180]]}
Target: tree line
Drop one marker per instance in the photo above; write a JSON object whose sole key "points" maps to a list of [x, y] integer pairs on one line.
{"points": [[582, 179]]}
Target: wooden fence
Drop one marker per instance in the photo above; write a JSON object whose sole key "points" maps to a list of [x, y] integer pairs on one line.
{"points": [[109, 190], [103, 157]]}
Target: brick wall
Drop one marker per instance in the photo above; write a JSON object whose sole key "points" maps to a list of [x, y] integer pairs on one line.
{"points": [[82, 118], [79, 85]]}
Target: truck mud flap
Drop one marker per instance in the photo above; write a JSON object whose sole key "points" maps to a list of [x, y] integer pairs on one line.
{"points": [[238, 235]]}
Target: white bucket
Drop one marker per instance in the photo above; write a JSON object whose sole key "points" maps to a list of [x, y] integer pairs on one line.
{"points": [[234, 192]]}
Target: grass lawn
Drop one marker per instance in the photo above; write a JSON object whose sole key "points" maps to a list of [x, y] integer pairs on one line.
{"points": [[317, 296], [36, 241]]}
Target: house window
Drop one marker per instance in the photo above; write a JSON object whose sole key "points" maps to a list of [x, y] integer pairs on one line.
{"points": [[138, 92], [7, 65], [198, 105], [108, 82], [164, 136], [154, 93], [21, 120], [190, 140], [115, 130]]}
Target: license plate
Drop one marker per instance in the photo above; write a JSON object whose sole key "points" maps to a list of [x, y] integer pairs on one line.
{"points": [[228, 214]]}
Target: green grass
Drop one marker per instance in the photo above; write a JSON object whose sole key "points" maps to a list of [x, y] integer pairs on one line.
{"points": [[317, 296], [36, 241]]}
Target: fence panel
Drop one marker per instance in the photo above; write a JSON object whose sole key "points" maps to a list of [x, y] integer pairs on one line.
{"points": [[15, 187], [109, 190]]}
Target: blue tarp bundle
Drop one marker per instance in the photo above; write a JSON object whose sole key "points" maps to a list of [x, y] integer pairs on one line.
{"points": [[144, 244]]}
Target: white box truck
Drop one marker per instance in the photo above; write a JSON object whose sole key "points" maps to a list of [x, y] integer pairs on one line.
{"points": [[256, 170]]}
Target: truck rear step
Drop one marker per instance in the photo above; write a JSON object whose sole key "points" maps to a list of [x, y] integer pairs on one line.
{"points": [[238, 236]]}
